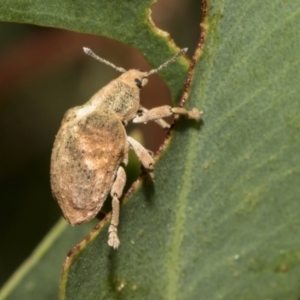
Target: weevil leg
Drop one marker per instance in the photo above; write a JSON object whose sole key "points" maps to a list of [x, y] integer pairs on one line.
{"points": [[162, 123], [166, 111], [126, 150], [116, 193], [143, 154]]}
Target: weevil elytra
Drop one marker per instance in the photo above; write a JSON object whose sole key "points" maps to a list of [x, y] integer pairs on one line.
{"points": [[92, 144]]}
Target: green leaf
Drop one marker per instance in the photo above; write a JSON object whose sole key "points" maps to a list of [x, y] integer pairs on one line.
{"points": [[38, 277], [222, 220]]}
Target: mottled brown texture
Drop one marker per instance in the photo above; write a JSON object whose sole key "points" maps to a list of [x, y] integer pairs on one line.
{"points": [[85, 158]]}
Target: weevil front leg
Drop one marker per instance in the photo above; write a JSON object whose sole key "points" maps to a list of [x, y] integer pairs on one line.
{"points": [[162, 123], [143, 154], [116, 193], [166, 111]]}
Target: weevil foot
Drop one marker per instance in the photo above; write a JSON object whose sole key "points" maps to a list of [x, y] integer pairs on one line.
{"points": [[113, 239], [195, 114]]}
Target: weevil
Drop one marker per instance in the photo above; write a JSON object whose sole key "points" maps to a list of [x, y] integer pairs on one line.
{"points": [[92, 145]]}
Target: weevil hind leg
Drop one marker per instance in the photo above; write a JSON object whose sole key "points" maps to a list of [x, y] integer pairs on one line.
{"points": [[116, 193], [160, 112]]}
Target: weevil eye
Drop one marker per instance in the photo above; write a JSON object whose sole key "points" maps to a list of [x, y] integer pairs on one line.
{"points": [[138, 83], [141, 82]]}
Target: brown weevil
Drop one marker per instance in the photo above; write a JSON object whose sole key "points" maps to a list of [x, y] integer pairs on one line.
{"points": [[92, 144]]}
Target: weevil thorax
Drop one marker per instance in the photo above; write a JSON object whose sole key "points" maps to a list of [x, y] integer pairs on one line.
{"points": [[122, 95]]}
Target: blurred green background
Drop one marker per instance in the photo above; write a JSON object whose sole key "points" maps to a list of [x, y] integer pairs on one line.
{"points": [[43, 72]]}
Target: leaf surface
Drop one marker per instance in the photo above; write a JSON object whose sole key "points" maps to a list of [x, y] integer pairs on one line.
{"points": [[222, 220]]}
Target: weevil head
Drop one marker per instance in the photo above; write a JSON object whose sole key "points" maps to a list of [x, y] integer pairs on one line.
{"points": [[134, 78]]}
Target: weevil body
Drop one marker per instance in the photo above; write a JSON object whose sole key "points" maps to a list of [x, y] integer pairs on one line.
{"points": [[92, 145]]}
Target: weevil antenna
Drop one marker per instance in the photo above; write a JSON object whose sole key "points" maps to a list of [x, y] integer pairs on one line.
{"points": [[181, 52], [89, 52]]}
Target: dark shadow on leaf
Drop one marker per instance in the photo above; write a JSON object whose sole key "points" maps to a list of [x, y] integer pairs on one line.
{"points": [[148, 185], [112, 278], [187, 124]]}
